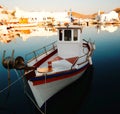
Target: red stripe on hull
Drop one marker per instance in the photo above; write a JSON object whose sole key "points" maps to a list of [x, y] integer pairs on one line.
{"points": [[58, 78]]}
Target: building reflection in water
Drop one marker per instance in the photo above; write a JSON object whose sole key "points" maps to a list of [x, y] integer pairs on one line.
{"points": [[9, 34], [110, 28]]}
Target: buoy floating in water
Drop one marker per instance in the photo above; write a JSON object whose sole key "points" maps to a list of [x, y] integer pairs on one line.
{"points": [[8, 62], [19, 63]]}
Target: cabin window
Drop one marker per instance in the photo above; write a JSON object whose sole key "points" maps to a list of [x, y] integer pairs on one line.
{"points": [[67, 35], [60, 35], [75, 34]]}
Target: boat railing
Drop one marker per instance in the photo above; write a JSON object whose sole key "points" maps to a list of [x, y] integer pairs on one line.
{"points": [[39, 52], [85, 40], [84, 61], [88, 55]]}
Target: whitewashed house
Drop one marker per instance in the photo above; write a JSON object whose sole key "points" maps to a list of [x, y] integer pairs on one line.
{"points": [[42, 16], [107, 17]]}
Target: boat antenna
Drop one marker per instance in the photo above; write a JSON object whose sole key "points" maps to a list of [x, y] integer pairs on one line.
{"points": [[71, 17]]}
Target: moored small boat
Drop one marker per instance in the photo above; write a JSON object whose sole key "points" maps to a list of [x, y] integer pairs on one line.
{"points": [[59, 64]]}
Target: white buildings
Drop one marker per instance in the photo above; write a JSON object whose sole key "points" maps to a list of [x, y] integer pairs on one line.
{"points": [[34, 17], [42, 16], [107, 17]]}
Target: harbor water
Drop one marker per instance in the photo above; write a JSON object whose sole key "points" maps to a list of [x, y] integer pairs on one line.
{"points": [[96, 92]]}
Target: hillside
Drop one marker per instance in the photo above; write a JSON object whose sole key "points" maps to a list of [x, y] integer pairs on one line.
{"points": [[117, 10], [74, 14], [79, 15], [83, 16]]}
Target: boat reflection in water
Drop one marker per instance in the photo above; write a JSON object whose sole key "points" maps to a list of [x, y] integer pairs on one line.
{"points": [[71, 99], [25, 34]]}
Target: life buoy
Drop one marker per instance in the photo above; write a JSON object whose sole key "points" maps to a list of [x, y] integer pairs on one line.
{"points": [[8, 62]]}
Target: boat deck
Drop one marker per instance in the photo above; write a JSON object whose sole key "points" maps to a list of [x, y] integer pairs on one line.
{"points": [[58, 64]]}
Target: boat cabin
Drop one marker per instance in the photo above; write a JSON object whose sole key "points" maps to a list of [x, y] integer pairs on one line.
{"points": [[69, 41]]}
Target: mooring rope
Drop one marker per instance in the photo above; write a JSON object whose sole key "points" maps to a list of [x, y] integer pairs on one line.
{"points": [[34, 103], [7, 87], [1, 91]]}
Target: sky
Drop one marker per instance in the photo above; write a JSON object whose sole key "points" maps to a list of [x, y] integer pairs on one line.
{"points": [[81, 6]]}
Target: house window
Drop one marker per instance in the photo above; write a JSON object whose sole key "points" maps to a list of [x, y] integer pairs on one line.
{"points": [[75, 34], [60, 35], [67, 35]]}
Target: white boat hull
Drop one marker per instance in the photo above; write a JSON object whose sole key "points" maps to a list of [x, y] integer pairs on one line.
{"points": [[44, 91]]}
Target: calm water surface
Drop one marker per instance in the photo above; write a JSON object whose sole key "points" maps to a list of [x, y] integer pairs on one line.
{"points": [[98, 91]]}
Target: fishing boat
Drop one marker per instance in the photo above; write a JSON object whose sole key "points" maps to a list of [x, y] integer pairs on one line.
{"points": [[58, 64]]}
